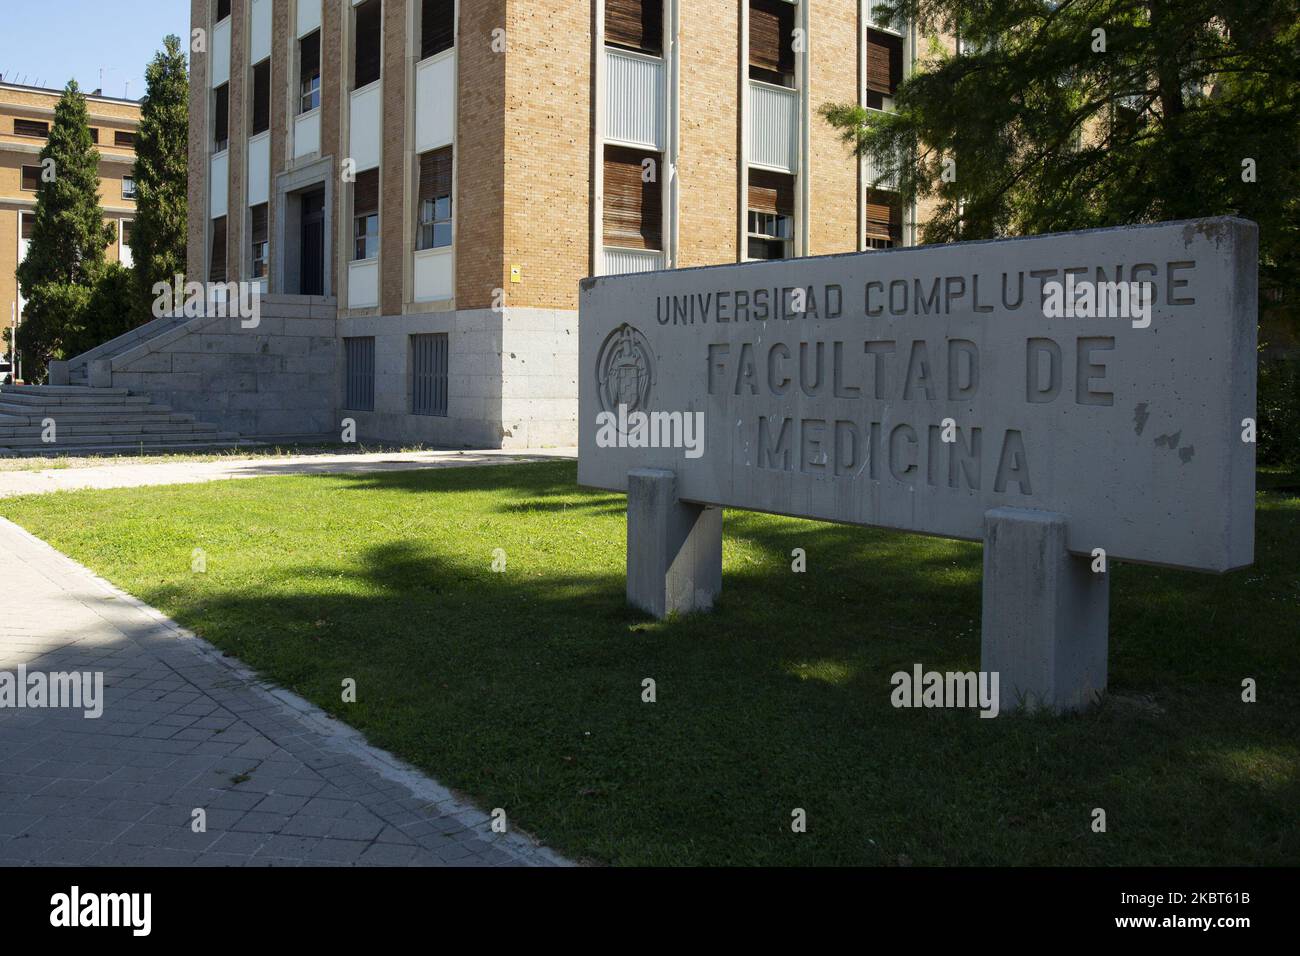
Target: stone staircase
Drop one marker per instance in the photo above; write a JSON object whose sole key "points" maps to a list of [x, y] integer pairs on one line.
{"points": [[92, 421]]}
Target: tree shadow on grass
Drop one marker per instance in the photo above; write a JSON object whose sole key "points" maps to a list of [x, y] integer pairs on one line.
{"points": [[524, 689]]}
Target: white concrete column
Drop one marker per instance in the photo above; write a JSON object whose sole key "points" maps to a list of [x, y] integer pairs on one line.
{"points": [[674, 549], [1046, 613]]}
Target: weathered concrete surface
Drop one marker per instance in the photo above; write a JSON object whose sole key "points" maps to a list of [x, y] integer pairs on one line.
{"points": [[838, 412], [674, 549], [1045, 616]]}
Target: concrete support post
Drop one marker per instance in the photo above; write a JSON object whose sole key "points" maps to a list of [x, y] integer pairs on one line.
{"points": [[1046, 613], [674, 549]]}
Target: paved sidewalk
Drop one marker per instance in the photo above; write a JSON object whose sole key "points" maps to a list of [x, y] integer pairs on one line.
{"points": [[185, 728], [126, 475]]}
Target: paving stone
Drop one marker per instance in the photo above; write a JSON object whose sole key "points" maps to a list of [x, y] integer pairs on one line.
{"points": [[183, 728]]}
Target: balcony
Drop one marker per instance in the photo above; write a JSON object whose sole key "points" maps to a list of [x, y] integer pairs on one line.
{"points": [[773, 127], [306, 133], [435, 101], [366, 118], [635, 108], [619, 260]]}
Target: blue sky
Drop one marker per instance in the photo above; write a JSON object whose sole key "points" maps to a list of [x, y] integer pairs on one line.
{"points": [[52, 41]]}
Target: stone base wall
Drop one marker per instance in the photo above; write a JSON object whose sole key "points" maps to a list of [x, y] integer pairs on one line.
{"points": [[280, 378], [512, 378]]}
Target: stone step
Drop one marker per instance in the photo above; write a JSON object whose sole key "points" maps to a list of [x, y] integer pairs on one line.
{"points": [[62, 391], [67, 442], [88, 397], [99, 428], [191, 448], [114, 419], [72, 412]]}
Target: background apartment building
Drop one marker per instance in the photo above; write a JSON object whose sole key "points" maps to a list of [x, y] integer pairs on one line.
{"points": [[26, 114], [446, 171]]}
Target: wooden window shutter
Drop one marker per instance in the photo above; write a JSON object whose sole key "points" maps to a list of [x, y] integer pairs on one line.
{"points": [[122, 138], [884, 62], [31, 178], [771, 193], [262, 97], [260, 225], [128, 226], [638, 24], [309, 56], [633, 207], [884, 215], [365, 193], [367, 66], [217, 271], [435, 173], [23, 127], [28, 226], [771, 44], [437, 27]]}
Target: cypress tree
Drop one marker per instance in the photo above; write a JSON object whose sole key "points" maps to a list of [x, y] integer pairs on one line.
{"points": [[66, 255], [159, 234]]}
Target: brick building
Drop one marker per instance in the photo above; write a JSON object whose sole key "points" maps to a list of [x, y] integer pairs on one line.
{"points": [[26, 115], [440, 174]]}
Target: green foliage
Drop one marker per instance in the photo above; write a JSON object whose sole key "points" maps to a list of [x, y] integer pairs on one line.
{"points": [[1278, 404], [111, 308], [66, 255], [159, 235], [1050, 134]]}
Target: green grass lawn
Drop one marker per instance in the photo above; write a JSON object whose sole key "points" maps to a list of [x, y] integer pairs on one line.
{"points": [[522, 689]]}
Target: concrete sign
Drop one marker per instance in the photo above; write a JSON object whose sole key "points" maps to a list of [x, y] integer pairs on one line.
{"points": [[1067, 399], [920, 388]]}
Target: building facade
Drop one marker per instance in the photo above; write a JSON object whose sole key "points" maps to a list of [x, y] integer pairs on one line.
{"points": [[26, 115], [445, 172]]}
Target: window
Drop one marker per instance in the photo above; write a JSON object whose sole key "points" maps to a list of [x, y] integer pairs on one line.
{"points": [[127, 226], [635, 24], [884, 68], [217, 260], [365, 215], [28, 227], [31, 178], [435, 229], [429, 374], [437, 27], [221, 118], [34, 128], [261, 243], [633, 199], [262, 97], [771, 41], [94, 135], [884, 219], [124, 139], [223, 10], [366, 66], [359, 373], [771, 215], [128, 187], [309, 71]]}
